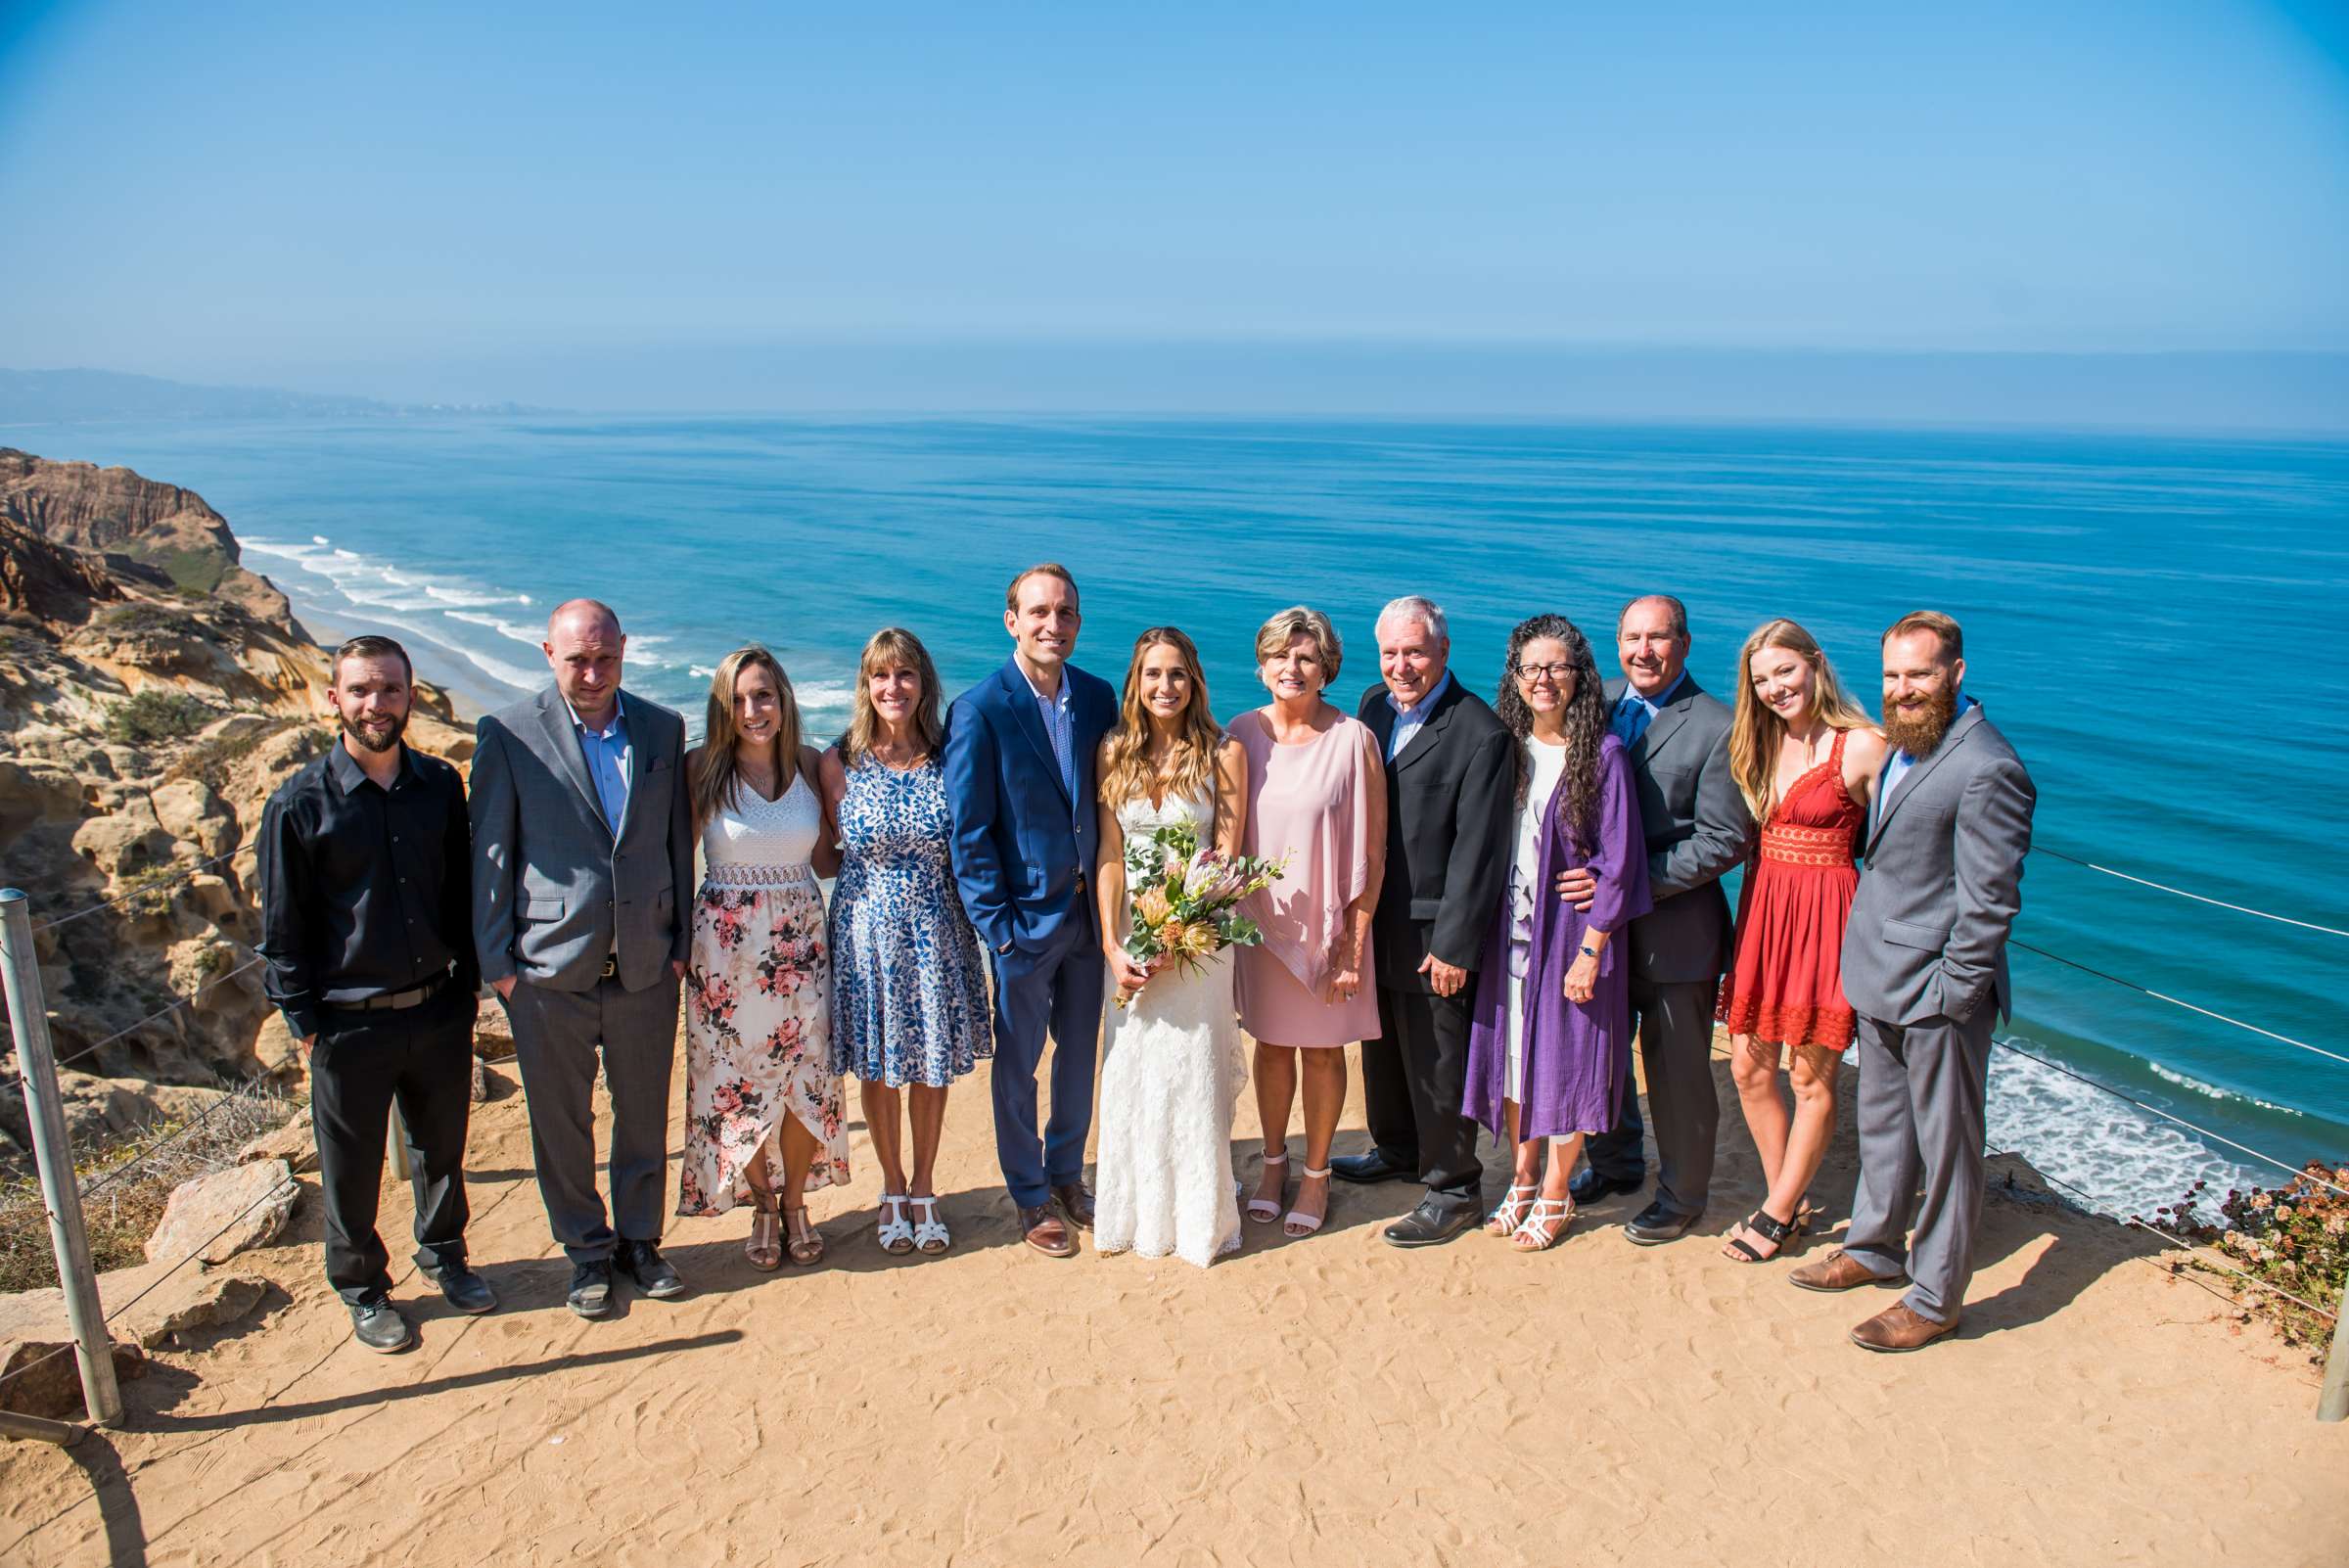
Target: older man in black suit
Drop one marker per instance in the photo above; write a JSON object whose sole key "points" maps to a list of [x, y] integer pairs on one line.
{"points": [[1451, 774], [1676, 736]]}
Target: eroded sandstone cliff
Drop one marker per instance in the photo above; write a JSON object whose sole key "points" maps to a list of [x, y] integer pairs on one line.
{"points": [[153, 692]]}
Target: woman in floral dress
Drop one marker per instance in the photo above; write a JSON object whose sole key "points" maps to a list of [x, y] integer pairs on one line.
{"points": [[909, 1012], [762, 1105]]}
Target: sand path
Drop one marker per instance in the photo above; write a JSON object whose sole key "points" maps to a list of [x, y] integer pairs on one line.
{"points": [[1325, 1401]]}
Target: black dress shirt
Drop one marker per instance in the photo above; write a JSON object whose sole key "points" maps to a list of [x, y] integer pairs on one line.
{"points": [[365, 892]]}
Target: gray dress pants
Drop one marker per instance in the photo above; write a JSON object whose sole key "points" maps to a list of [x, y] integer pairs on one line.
{"points": [[1674, 1032], [556, 1034], [1922, 1086]]}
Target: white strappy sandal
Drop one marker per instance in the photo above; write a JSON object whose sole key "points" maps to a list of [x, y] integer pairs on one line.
{"points": [[1544, 1224], [930, 1232], [1264, 1210], [1294, 1223], [1504, 1220], [894, 1234]]}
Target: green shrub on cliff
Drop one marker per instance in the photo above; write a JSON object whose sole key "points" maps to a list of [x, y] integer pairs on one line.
{"points": [[2293, 1238], [155, 715]]}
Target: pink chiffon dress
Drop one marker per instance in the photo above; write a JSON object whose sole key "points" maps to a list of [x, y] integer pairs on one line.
{"points": [[1307, 803]]}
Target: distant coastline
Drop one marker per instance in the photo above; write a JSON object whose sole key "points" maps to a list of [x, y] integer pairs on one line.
{"points": [[470, 693], [93, 397]]}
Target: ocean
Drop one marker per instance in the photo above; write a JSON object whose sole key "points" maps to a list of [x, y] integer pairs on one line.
{"points": [[2156, 621]]}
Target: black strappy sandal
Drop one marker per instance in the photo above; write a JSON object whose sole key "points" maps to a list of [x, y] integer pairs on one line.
{"points": [[1777, 1233]]}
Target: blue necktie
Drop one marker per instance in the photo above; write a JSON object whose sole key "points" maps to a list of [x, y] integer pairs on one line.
{"points": [[1064, 741], [1630, 719]]}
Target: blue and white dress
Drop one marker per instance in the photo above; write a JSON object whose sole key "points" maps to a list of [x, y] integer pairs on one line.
{"points": [[909, 990]]}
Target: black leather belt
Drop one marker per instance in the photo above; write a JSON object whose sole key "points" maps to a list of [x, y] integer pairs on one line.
{"points": [[611, 970], [398, 1001]]}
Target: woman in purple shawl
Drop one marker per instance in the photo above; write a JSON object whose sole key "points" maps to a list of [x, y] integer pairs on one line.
{"points": [[1546, 1060]]}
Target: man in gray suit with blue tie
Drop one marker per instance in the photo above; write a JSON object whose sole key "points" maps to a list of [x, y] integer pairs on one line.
{"points": [[1924, 966], [582, 895]]}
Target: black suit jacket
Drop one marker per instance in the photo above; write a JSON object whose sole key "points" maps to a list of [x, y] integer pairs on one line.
{"points": [[1449, 796], [1697, 830]]}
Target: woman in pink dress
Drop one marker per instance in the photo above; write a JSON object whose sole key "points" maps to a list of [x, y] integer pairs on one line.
{"points": [[1317, 796], [1805, 758]]}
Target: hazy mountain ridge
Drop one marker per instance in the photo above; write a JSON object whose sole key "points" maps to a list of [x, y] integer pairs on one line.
{"points": [[73, 396]]}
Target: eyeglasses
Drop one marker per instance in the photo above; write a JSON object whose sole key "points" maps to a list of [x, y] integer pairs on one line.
{"points": [[1554, 673]]}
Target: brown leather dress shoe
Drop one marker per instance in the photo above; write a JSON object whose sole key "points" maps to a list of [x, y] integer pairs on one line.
{"points": [[1044, 1230], [1076, 1201], [1900, 1328], [1840, 1270]]}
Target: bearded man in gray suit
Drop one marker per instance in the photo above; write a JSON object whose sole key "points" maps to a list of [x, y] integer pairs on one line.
{"points": [[582, 893], [1924, 966], [1675, 736]]}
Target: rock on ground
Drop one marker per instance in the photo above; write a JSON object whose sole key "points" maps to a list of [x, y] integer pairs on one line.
{"points": [[37, 1379], [195, 1299], [246, 1205], [492, 1036], [103, 1111], [295, 1143]]}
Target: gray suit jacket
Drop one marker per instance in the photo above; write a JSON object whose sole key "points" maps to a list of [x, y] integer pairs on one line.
{"points": [[1944, 882], [553, 884], [1697, 830]]}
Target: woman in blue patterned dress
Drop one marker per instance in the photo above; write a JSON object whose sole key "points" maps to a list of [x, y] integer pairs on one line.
{"points": [[908, 993]]}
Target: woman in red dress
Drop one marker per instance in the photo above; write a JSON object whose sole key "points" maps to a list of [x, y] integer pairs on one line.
{"points": [[1806, 757]]}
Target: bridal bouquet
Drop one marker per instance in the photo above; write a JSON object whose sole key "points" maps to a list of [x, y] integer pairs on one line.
{"points": [[1184, 900]]}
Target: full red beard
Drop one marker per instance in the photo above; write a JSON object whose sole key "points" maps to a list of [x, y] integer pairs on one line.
{"points": [[1918, 734]]}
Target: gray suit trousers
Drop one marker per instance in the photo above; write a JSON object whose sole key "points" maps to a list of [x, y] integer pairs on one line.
{"points": [[555, 1034], [1922, 1093], [1674, 1031]]}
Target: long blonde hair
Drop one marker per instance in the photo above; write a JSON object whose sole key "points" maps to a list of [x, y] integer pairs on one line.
{"points": [[714, 779], [1755, 732], [893, 648], [1126, 773]]}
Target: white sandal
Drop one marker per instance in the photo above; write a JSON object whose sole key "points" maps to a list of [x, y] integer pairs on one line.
{"points": [[1264, 1210], [1544, 1224], [894, 1234], [1504, 1220], [1305, 1225], [930, 1232]]}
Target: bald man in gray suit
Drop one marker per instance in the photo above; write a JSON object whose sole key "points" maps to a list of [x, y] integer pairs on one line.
{"points": [[582, 911], [1924, 966], [1676, 737]]}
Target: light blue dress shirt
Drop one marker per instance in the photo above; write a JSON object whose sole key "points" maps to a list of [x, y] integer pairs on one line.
{"points": [[1410, 721], [606, 751], [1635, 712], [1060, 724]]}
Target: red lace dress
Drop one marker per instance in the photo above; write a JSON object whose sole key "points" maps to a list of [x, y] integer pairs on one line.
{"points": [[1788, 983]]}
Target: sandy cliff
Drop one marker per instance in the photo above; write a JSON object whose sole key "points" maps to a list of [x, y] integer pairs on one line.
{"points": [[153, 692]]}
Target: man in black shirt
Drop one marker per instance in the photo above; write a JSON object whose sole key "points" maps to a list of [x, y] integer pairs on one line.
{"points": [[367, 925]]}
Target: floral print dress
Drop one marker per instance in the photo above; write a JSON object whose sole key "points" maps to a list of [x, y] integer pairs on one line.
{"points": [[758, 1003], [908, 993]]}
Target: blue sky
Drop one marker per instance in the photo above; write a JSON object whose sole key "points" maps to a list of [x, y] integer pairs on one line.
{"points": [[420, 201]]}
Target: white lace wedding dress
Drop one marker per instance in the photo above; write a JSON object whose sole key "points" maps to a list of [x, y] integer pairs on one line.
{"points": [[1170, 1072]]}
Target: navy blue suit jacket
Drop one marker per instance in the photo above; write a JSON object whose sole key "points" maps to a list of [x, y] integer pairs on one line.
{"points": [[1022, 848]]}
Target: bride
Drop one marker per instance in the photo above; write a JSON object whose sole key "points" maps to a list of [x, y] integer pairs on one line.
{"points": [[1173, 1065]]}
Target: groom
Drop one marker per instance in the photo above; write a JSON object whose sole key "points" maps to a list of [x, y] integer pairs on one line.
{"points": [[1020, 784]]}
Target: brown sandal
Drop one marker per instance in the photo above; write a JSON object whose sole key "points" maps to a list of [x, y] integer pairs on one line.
{"points": [[806, 1242], [764, 1248]]}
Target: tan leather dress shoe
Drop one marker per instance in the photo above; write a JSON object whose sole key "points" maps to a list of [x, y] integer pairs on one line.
{"points": [[1840, 1271], [1044, 1230], [1900, 1328]]}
